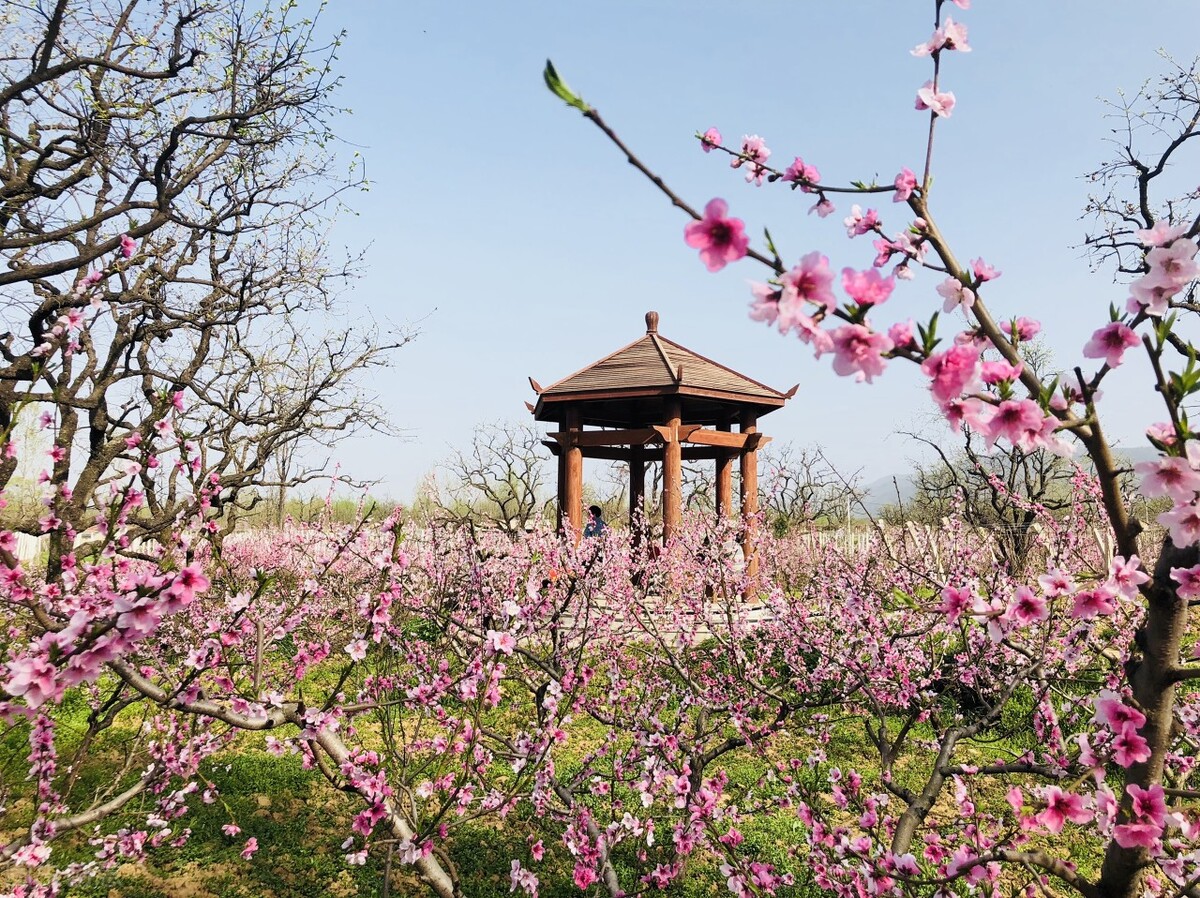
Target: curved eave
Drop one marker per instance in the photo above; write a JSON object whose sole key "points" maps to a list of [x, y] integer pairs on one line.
{"points": [[548, 401]]}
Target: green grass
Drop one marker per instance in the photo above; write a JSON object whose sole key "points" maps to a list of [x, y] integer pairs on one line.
{"points": [[300, 821]]}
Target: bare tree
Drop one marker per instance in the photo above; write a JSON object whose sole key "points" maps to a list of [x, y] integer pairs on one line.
{"points": [[500, 480], [1144, 181], [165, 183], [799, 486], [1002, 492]]}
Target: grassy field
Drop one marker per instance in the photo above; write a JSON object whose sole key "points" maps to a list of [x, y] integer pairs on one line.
{"points": [[300, 821]]}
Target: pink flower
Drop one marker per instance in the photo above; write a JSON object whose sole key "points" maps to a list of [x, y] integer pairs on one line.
{"points": [[1161, 234], [1112, 712], [858, 351], [802, 175], [537, 850], [956, 600], [141, 616], [1147, 805], [32, 676], [73, 319], [1137, 835], [1017, 420], [975, 413], [950, 36], [984, 271], [1110, 342], [953, 372], [357, 649], [520, 878], [1174, 265], [1126, 576], [1169, 476], [764, 304], [940, 103], [1183, 523], [1188, 579], [809, 331], [251, 847], [1027, 607], [1087, 756], [1060, 807], [1163, 432], [993, 613], [884, 250], [1025, 328], [32, 855], [88, 281], [1015, 799], [1130, 748], [810, 281], [1000, 372], [231, 829], [1092, 602], [754, 154], [823, 208], [906, 183], [1055, 583], [177, 400], [503, 643], [1150, 295], [901, 335], [187, 583], [955, 36], [858, 222], [721, 240], [867, 288], [584, 875], [711, 138], [128, 245], [956, 294]]}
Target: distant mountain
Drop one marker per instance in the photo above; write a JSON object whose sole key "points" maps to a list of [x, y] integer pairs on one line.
{"points": [[888, 491]]}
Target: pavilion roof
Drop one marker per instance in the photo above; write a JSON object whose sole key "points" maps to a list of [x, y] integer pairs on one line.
{"points": [[654, 366]]}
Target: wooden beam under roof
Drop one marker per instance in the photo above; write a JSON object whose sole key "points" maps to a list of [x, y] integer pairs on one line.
{"points": [[627, 437], [649, 453], [726, 439], [669, 434]]}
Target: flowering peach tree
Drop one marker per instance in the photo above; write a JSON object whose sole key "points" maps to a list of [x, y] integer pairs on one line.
{"points": [[920, 718], [1116, 750]]}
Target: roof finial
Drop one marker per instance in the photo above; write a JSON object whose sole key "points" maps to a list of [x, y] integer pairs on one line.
{"points": [[652, 322]]}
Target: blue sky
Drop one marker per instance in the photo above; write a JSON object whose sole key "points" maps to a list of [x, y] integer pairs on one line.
{"points": [[517, 240]]}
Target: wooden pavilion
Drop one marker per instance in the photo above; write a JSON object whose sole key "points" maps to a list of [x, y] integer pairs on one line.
{"points": [[650, 401]]}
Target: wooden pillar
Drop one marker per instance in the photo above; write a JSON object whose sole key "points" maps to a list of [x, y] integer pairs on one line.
{"points": [[572, 491], [672, 471], [749, 493], [724, 479], [637, 487], [561, 459]]}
